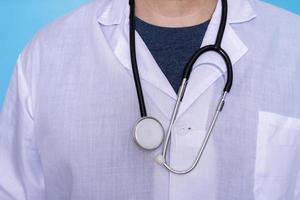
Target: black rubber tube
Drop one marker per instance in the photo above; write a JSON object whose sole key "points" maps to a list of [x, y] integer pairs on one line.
{"points": [[224, 56], [222, 24], [135, 69], [216, 48]]}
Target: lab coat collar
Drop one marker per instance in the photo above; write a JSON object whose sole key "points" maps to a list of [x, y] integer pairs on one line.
{"points": [[111, 12], [116, 12]]}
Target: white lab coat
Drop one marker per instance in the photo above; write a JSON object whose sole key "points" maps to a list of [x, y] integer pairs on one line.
{"points": [[65, 128]]}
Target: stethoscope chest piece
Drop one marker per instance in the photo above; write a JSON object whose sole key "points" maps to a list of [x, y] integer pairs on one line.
{"points": [[148, 133]]}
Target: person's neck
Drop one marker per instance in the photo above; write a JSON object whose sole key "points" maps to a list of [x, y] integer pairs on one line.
{"points": [[175, 13]]}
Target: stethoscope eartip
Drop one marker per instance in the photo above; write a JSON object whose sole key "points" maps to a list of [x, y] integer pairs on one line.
{"points": [[160, 160]]}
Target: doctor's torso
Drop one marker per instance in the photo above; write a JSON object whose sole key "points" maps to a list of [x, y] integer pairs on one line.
{"points": [[85, 106]]}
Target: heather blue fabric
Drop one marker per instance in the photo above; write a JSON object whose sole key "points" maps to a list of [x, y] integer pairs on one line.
{"points": [[171, 47]]}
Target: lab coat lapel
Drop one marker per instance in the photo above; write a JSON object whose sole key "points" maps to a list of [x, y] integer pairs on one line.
{"points": [[150, 73]]}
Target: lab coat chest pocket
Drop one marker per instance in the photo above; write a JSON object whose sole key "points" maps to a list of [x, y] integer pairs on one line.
{"points": [[277, 167]]}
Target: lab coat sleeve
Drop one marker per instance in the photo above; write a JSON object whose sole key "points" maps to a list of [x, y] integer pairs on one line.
{"points": [[21, 176]]}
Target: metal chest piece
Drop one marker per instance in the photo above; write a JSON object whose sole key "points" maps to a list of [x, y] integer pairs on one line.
{"points": [[148, 133]]}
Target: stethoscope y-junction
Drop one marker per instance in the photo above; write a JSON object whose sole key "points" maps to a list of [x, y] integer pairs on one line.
{"points": [[148, 132]]}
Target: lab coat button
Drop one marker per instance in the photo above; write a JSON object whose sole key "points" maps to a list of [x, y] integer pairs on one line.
{"points": [[182, 129]]}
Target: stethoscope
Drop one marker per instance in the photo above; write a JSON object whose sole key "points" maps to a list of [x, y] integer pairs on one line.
{"points": [[148, 132]]}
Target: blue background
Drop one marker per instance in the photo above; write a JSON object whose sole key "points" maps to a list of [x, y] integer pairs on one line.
{"points": [[20, 19]]}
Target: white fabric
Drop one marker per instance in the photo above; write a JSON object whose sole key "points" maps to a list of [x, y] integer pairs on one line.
{"points": [[66, 125]]}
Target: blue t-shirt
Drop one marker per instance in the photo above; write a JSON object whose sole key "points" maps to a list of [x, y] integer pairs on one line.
{"points": [[172, 47]]}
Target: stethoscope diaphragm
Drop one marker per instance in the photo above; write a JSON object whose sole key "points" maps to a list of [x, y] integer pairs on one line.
{"points": [[148, 133]]}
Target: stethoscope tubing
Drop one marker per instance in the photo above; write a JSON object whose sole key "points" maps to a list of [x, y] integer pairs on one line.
{"points": [[135, 70]]}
